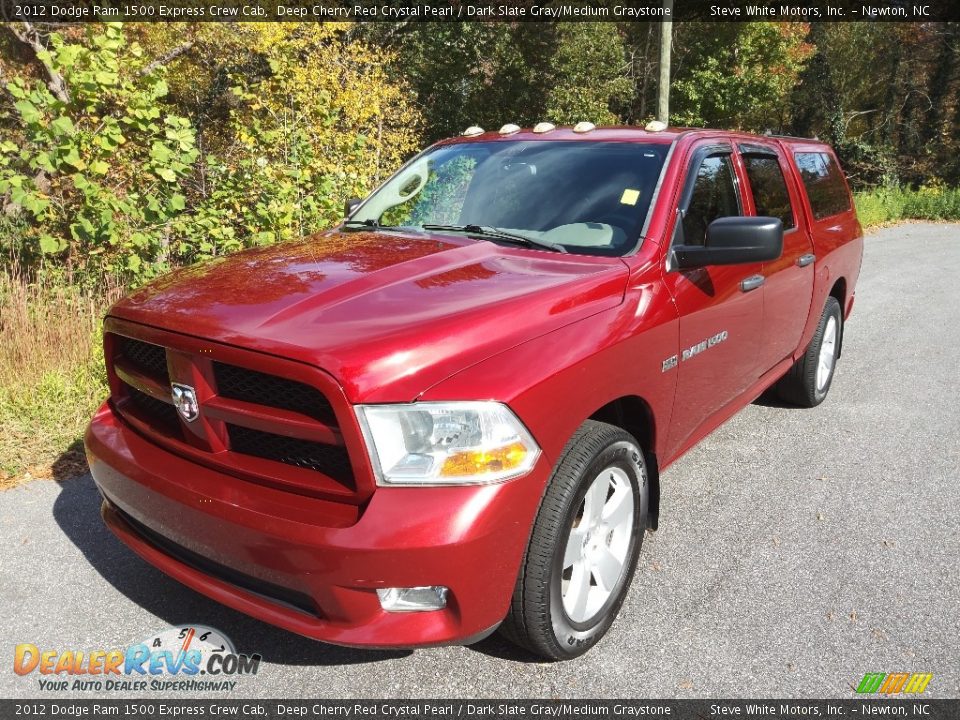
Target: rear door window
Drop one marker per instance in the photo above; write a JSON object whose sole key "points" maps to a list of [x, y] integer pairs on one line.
{"points": [[824, 184], [714, 195], [769, 187]]}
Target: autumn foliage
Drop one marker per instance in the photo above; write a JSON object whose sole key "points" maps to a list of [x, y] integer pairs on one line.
{"points": [[128, 149], [132, 165]]}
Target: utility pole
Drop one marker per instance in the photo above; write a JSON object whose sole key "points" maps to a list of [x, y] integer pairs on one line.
{"points": [[666, 40]]}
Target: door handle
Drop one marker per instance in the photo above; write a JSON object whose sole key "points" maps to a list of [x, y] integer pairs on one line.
{"points": [[805, 260], [752, 283]]}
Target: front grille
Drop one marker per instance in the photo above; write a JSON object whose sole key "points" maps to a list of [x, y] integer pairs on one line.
{"points": [[146, 357], [331, 460], [221, 437], [155, 412], [239, 383]]}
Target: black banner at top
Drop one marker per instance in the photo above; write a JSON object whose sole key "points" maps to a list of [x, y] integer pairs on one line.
{"points": [[79, 11]]}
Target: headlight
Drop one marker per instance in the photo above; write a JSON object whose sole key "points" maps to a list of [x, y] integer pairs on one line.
{"points": [[450, 443]]}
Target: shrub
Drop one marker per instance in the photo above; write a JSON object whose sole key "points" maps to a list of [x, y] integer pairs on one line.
{"points": [[317, 123], [94, 173], [102, 176], [891, 204]]}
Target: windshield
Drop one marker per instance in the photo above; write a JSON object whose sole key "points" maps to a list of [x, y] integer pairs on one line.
{"points": [[588, 197]]}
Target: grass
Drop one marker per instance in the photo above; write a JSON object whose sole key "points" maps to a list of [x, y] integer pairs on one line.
{"points": [[51, 375], [885, 205]]}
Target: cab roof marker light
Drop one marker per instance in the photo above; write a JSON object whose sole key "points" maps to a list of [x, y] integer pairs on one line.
{"points": [[655, 126], [584, 127], [544, 127], [473, 131], [509, 129]]}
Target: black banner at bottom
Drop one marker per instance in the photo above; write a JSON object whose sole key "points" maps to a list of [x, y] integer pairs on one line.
{"points": [[477, 709]]}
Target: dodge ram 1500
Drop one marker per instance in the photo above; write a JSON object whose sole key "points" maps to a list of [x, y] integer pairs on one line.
{"points": [[451, 413]]}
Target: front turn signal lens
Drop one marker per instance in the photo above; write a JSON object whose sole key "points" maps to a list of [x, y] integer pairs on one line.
{"points": [[479, 462]]}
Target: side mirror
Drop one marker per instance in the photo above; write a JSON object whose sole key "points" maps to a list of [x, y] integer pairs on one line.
{"points": [[733, 240], [350, 205]]}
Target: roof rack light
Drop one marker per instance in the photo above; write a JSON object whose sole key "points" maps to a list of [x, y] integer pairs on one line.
{"points": [[584, 127], [544, 127], [473, 131], [509, 129], [655, 126]]}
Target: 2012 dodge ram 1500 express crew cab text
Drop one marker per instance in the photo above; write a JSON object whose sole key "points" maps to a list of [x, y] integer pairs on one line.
{"points": [[450, 413]]}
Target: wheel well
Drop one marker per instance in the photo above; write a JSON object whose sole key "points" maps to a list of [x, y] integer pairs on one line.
{"points": [[839, 291], [633, 414]]}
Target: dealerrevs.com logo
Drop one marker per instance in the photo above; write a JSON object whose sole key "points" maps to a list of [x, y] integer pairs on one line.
{"points": [[189, 658], [894, 683]]}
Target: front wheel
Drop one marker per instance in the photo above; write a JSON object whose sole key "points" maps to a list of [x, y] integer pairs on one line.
{"points": [[584, 546], [808, 381]]}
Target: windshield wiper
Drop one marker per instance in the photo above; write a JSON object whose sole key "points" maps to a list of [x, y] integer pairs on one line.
{"points": [[493, 233], [368, 225]]}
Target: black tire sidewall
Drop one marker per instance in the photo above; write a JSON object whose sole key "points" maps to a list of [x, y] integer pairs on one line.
{"points": [[572, 638], [832, 309]]}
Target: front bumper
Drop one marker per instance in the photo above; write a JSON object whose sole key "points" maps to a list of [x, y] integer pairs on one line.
{"points": [[309, 565]]}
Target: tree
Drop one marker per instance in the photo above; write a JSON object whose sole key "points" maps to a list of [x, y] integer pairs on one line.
{"points": [[191, 141], [666, 48], [588, 75], [737, 75], [886, 95], [94, 160], [489, 74], [305, 117]]}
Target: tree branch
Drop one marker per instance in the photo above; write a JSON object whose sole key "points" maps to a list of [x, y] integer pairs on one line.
{"points": [[30, 36], [172, 55], [395, 29]]}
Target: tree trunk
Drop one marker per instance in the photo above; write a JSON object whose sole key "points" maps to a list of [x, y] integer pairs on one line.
{"points": [[666, 40], [646, 72], [28, 35]]}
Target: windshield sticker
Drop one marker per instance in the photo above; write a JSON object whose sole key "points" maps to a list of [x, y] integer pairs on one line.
{"points": [[630, 196]]}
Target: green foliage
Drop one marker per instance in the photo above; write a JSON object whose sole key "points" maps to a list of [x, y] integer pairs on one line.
{"points": [[488, 74], [316, 124], [112, 165], [889, 204], [737, 75], [470, 73], [887, 95], [110, 179], [867, 165], [879, 206], [96, 177], [932, 202], [587, 77], [252, 201]]}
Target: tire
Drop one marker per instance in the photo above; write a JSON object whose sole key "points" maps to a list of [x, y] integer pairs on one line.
{"points": [[560, 609], [808, 381]]}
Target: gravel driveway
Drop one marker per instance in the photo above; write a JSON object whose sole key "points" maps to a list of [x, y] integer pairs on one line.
{"points": [[797, 550]]}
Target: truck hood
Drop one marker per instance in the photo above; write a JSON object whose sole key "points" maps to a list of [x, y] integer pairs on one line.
{"points": [[388, 315]]}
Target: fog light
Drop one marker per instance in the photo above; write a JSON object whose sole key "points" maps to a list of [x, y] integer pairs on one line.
{"points": [[414, 599]]}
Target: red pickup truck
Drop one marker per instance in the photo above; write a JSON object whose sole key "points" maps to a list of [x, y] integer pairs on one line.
{"points": [[451, 413]]}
